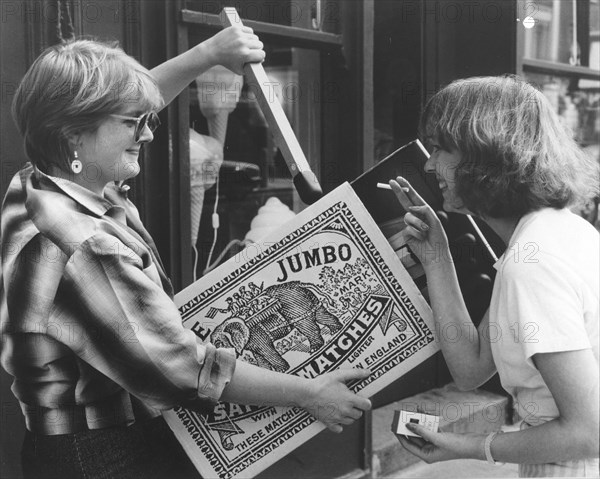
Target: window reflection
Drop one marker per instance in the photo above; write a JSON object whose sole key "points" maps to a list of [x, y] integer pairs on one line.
{"points": [[562, 31], [551, 37], [252, 169], [578, 107]]}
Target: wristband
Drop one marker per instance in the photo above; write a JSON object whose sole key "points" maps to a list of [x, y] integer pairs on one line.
{"points": [[487, 446]]}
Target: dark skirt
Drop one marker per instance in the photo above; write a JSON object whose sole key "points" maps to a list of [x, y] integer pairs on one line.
{"points": [[146, 449]]}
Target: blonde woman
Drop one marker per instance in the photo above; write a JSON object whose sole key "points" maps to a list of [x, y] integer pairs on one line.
{"points": [[89, 330]]}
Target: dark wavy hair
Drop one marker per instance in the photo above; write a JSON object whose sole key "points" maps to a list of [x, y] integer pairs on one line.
{"points": [[517, 157], [72, 87]]}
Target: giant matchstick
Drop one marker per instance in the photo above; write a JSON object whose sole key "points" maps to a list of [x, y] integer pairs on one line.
{"points": [[305, 181]]}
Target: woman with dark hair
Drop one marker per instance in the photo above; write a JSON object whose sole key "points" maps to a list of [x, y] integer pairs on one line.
{"points": [[499, 152], [90, 333]]}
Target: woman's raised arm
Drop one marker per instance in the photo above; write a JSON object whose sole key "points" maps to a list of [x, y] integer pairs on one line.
{"points": [[466, 348], [232, 47]]}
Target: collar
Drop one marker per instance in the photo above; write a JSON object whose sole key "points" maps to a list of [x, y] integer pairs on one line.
{"points": [[514, 238], [96, 204]]}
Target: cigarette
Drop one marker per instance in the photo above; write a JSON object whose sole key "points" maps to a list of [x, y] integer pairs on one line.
{"points": [[385, 186]]}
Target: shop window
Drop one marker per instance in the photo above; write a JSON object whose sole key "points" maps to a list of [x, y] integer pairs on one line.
{"points": [[559, 44], [244, 170], [253, 172], [250, 172]]}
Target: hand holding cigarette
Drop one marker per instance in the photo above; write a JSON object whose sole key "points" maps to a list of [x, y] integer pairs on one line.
{"points": [[406, 204], [424, 232]]}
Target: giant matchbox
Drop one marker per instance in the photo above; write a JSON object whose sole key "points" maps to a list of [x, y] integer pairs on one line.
{"points": [[325, 291]]}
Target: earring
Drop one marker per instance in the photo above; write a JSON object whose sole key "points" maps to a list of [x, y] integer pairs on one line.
{"points": [[76, 165]]}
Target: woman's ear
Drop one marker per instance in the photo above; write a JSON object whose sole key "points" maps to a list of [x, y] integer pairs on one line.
{"points": [[74, 139]]}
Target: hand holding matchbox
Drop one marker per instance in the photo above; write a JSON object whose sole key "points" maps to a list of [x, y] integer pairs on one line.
{"points": [[402, 417]]}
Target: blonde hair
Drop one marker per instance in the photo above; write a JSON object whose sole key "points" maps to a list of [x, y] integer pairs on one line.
{"points": [[72, 87], [517, 157]]}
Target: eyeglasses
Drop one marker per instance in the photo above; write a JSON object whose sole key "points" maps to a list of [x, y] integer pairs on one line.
{"points": [[150, 120]]}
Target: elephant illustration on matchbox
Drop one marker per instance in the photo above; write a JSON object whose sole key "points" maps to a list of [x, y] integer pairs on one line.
{"points": [[271, 315]]}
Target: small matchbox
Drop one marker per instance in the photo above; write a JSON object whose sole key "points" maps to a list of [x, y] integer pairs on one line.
{"points": [[402, 417]]}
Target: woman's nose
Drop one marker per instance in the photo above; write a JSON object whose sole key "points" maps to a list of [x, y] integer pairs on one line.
{"points": [[146, 136], [430, 164]]}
